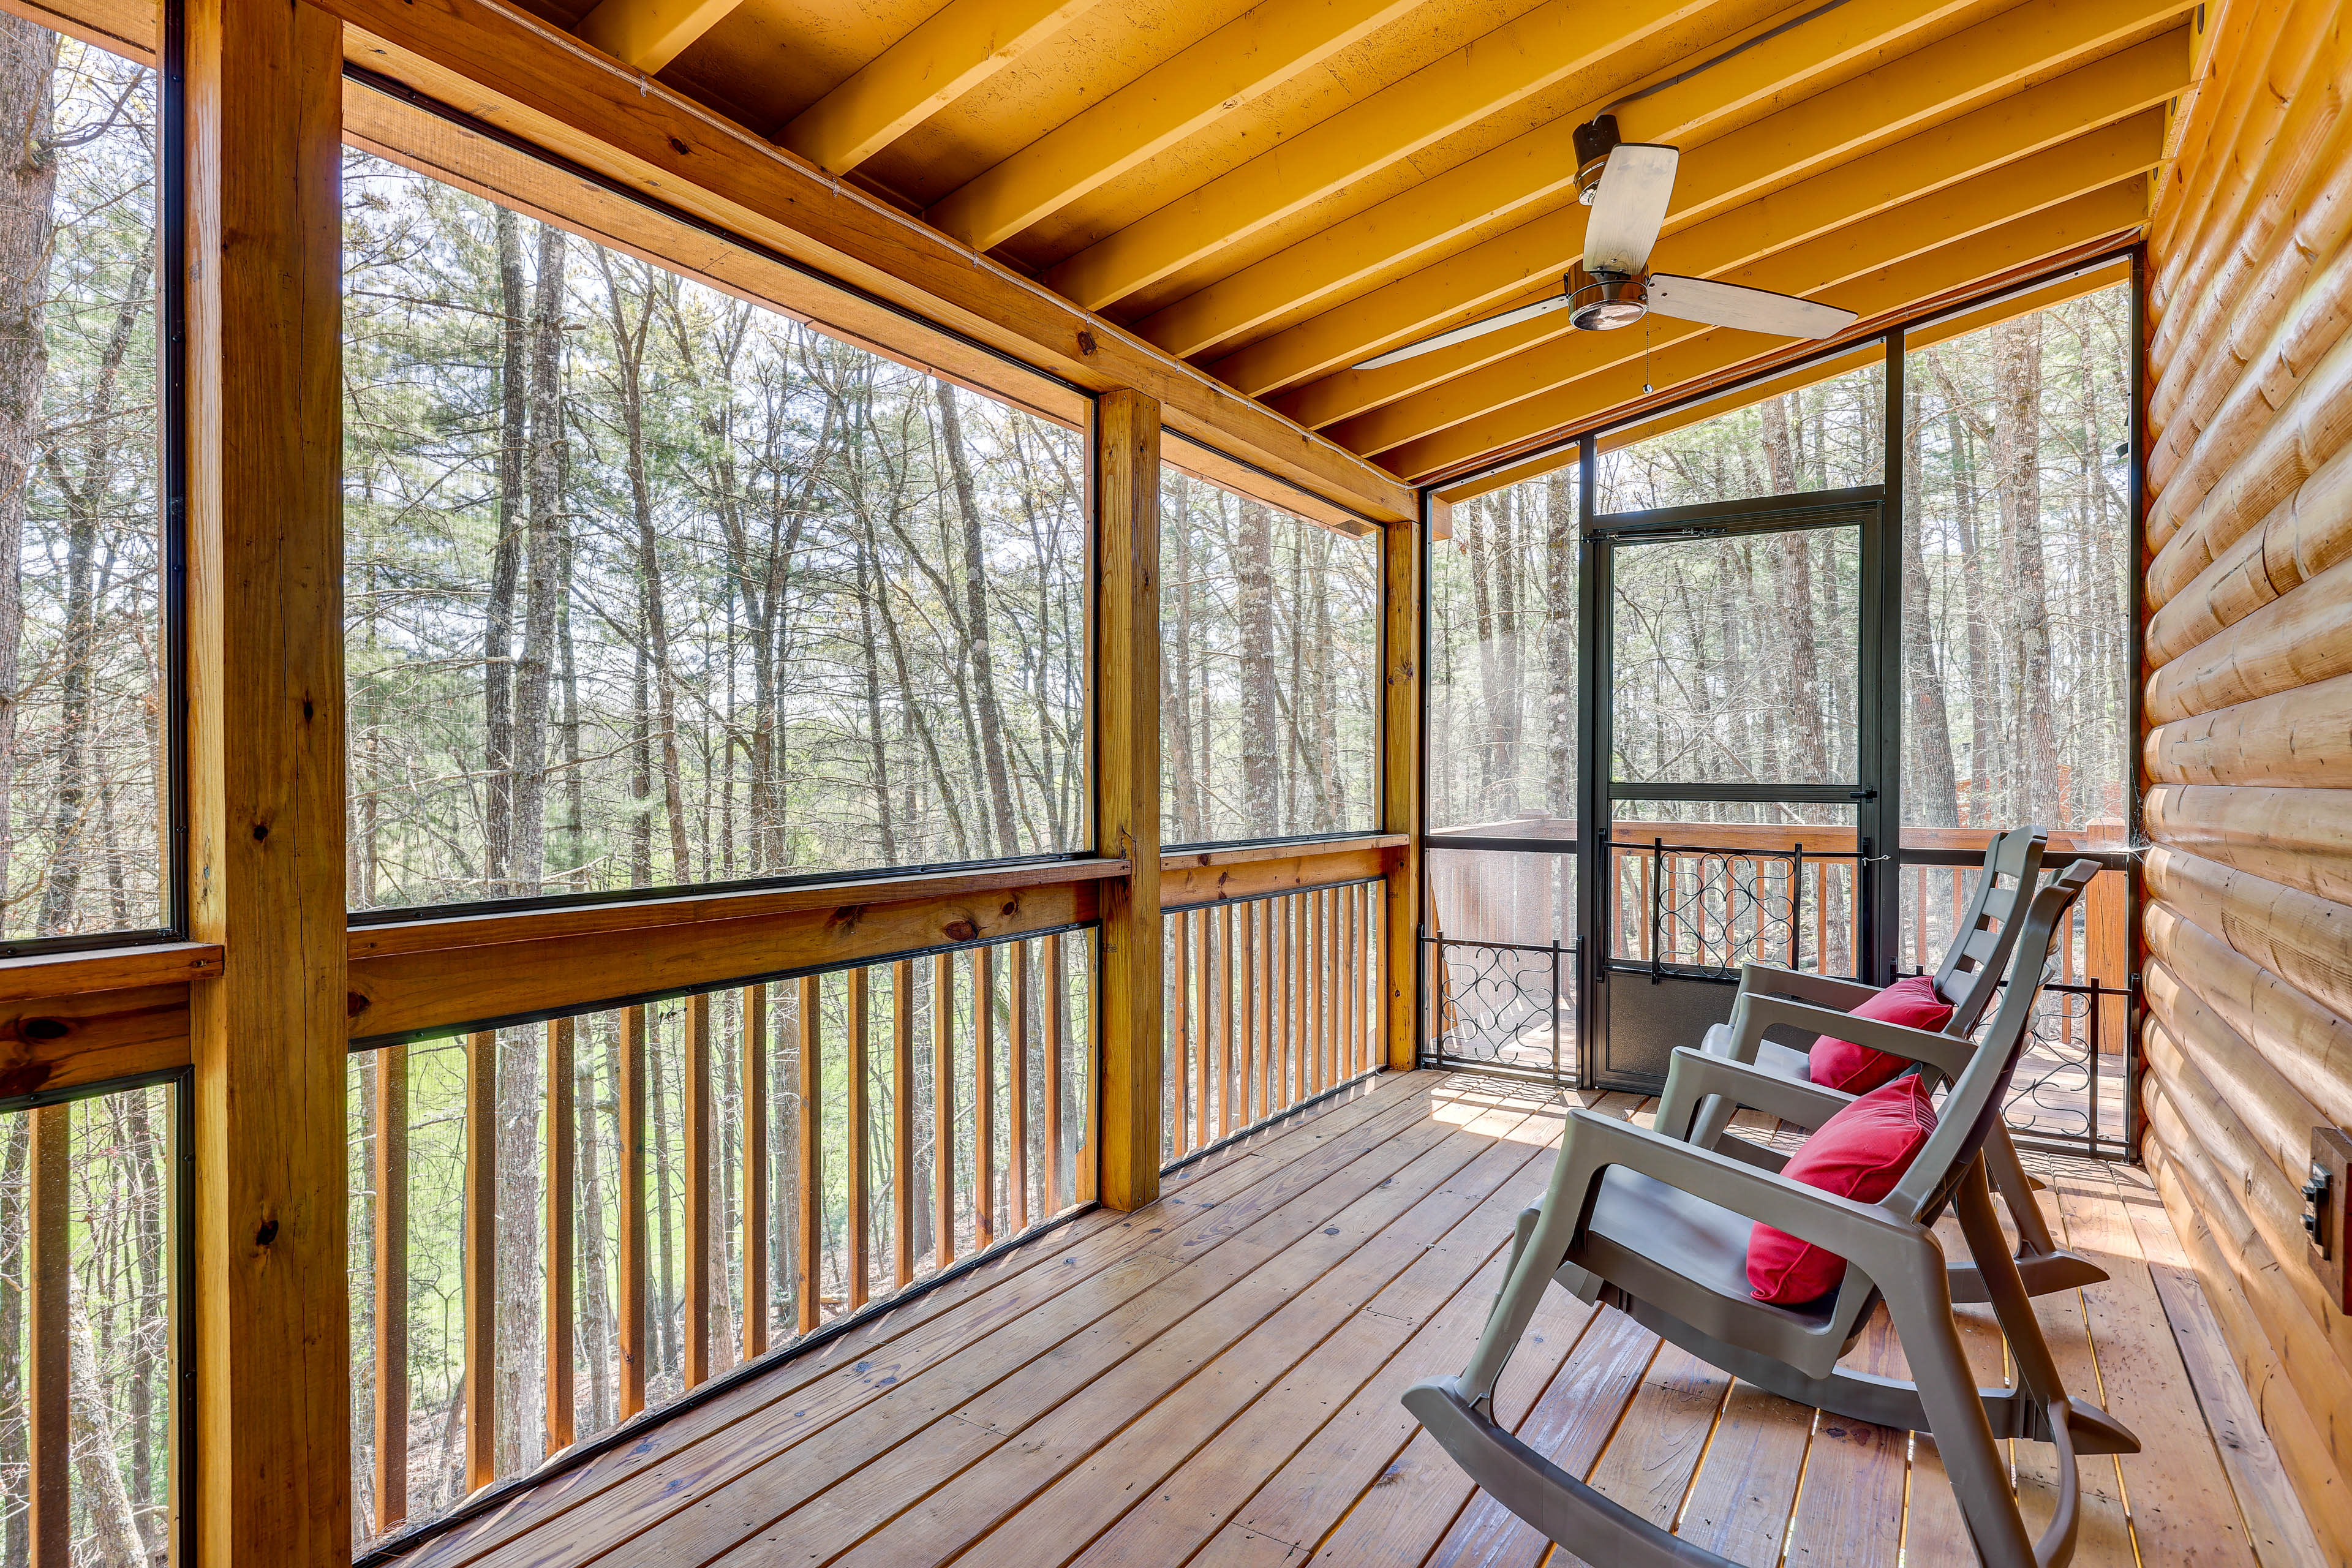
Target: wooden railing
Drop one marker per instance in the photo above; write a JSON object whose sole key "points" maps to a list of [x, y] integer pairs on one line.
{"points": [[649, 1196], [1272, 999]]}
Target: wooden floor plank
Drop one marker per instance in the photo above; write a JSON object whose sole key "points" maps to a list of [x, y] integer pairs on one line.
{"points": [[1745, 1491], [1125, 1497], [1166, 1391], [1058, 1342], [1576, 1417], [2105, 1533], [1204, 1494], [761, 1419], [1650, 1461], [2181, 1506], [1850, 1504]]}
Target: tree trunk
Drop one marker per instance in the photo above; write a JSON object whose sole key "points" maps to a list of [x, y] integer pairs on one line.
{"points": [[2016, 465], [975, 618], [1935, 797], [1260, 743], [497, 629], [28, 178], [545, 487], [1561, 547]]}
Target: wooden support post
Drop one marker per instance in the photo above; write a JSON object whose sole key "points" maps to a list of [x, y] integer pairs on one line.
{"points": [[264, 749], [1230, 1082], [1177, 1098], [562, 1170], [1126, 784], [983, 1097], [1056, 1079], [1016, 1156], [902, 1119], [701, 1174], [1204, 959], [48, 1267], [631, 1309], [755, 1172], [391, 1288], [1400, 783], [859, 1220], [481, 1259], [943, 1139], [808, 1199]]}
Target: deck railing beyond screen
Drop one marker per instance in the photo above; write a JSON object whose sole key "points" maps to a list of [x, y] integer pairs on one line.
{"points": [[1271, 1001], [559, 1226]]}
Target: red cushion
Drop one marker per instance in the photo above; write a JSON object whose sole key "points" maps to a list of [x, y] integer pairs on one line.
{"points": [[1857, 1069], [1861, 1153]]}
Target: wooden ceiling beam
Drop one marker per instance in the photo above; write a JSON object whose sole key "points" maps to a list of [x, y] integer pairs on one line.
{"points": [[650, 33], [2102, 216], [953, 50], [525, 79], [1246, 58], [1768, 70], [1917, 167], [1812, 270], [2057, 54]]}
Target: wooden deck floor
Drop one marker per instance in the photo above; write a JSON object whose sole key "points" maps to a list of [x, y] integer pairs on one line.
{"points": [[1214, 1380]]}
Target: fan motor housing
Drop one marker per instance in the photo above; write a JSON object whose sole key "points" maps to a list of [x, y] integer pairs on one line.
{"points": [[1607, 300]]}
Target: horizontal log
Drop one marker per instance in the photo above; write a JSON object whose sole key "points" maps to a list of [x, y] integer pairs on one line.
{"points": [[116, 969], [2300, 838], [2251, 214], [2308, 1044], [2302, 940], [2274, 450], [2277, 1115], [2300, 538], [2225, 1113], [2237, 57], [403, 996], [55, 1043], [2299, 639], [2291, 1368], [2229, 324], [2299, 738]]}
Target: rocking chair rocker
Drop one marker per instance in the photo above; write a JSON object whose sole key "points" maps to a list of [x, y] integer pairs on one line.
{"points": [[1968, 977], [1659, 1228]]}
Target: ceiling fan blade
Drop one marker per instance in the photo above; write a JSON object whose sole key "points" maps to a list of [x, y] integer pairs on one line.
{"points": [[1749, 310], [1630, 206], [1464, 333]]}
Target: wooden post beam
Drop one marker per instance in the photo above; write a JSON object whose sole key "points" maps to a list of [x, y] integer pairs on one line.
{"points": [[1127, 786], [265, 763], [1401, 596], [650, 33]]}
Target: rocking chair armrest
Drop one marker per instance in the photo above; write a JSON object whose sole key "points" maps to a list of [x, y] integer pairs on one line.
{"points": [[1754, 1015], [1693, 1075], [1869, 1234], [1823, 990]]}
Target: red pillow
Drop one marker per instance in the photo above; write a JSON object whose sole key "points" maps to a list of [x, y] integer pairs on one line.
{"points": [[1861, 1153], [1857, 1069]]}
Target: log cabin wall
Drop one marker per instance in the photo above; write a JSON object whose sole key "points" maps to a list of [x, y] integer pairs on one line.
{"points": [[2247, 742]]}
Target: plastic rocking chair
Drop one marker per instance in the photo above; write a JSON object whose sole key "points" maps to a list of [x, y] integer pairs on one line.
{"points": [[1969, 977], [1658, 1227]]}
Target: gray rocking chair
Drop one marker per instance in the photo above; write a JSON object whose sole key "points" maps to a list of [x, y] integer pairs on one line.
{"points": [[1968, 977], [1658, 1227]]}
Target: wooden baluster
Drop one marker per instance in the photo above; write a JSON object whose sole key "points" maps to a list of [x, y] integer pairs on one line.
{"points": [[562, 1169], [1351, 962], [983, 1096], [1294, 980], [1177, 1069], [1203, 1100], [1016, 1155], [1224, 1020], [902, 1120], [49, 1264], [630, 1328], [1262, 1003], [391, 1287], [860, 1218], [809, 1200], [695, 1101], [943, 1138], [1327, 985], [480, 1266], [1054, 1078], [755, 1172]]}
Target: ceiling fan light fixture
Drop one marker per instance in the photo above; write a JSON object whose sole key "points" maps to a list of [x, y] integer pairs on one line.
{"points": [[1605, 303]]}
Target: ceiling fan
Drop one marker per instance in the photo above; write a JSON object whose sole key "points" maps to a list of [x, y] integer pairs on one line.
{"points": [[1627, 185]]}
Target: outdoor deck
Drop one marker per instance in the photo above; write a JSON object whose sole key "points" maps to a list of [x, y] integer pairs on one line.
{"points": [[1213, 1380]]}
